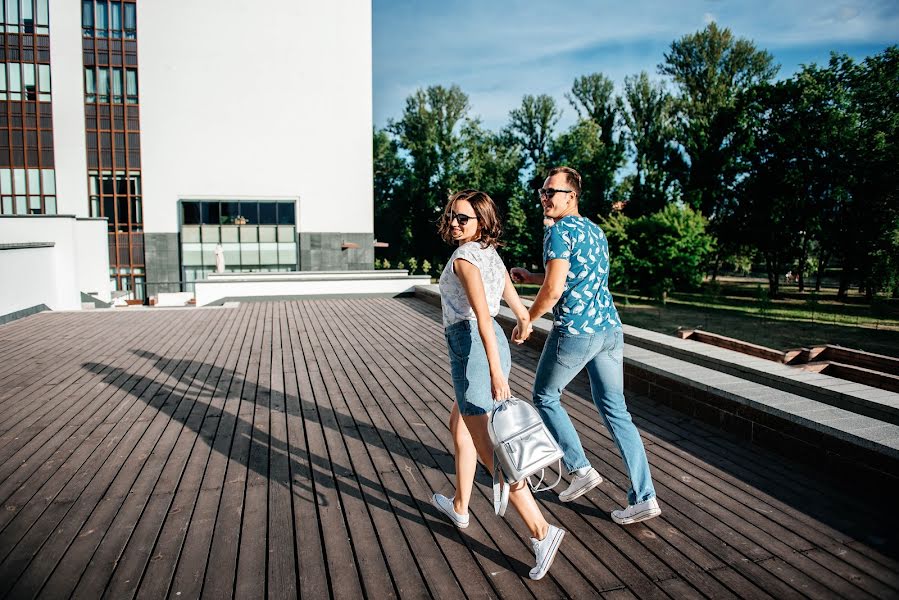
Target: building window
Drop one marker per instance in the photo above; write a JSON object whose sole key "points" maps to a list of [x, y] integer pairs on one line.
{"points": [[104, 18], [24, 16], [27, 191], [24, 81], [106, 84], [112, 194], [256, 236]]}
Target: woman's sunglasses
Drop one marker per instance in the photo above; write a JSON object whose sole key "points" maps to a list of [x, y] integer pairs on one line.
{"points": [[462, 219]]}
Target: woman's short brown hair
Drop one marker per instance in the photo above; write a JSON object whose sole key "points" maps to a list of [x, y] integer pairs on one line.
{"points": [[484, 209]]}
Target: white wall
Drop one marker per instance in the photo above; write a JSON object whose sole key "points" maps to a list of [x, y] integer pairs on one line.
{"points": [[92, 261], [78, 264], [257, 100], [29, 278], [67, 79]]}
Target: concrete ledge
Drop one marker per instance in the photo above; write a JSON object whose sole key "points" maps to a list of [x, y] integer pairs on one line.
{"points": [[238, 286], [855, 397], [25, 312], [27, 245]]}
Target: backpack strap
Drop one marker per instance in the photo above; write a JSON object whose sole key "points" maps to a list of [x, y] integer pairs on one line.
{"points": [[535, 487], [500, 489]]}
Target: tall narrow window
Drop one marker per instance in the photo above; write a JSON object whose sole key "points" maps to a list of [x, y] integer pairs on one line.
{"points": [[117, 85], [28, 81], [15, 81], [131, 77], [87, 17], [102, 19], [3, 82], [12, 16], [44, 82], [130, 21], [43, 17], [115, 22], [27, 16], [103, 84], [90, 85]]}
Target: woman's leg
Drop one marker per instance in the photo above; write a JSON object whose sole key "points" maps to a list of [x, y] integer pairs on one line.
{"points": [[466, 460], [519, 494]]}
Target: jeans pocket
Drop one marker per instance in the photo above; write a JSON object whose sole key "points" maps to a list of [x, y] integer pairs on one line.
{"points": [[571, 350], [458, 341]]}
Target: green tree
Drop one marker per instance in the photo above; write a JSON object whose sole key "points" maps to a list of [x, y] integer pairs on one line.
{"points": [[594, 145], [391, 178], [429, 133], [648, 113], [711, 69], [869, 248], [493, 163]]}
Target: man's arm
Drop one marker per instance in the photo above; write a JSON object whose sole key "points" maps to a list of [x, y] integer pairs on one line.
{"points": [[521, 275], [552, 286]]}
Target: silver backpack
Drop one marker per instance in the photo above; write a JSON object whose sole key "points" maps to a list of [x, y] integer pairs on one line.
{"points": [[522, 445]]}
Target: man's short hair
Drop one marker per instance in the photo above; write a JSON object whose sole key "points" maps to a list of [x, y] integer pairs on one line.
{"points": [[572, 177]]}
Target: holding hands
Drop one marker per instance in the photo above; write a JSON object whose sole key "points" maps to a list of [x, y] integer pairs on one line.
{"points": [[522, 330]]}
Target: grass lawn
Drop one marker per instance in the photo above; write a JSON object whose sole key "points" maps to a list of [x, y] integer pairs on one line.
{"points": [[733, 308]]}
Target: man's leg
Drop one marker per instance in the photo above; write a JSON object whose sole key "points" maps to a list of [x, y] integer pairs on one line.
{"points": [[606, 371], [549, 381]]}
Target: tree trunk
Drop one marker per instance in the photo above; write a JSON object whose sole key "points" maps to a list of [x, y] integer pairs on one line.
{"points": [[823, 259], [800, 270], [845, 281], [773, 277]]}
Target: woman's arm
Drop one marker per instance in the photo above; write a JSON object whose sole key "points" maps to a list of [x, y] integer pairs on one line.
{"points": [[470, 276], [523, 328]]}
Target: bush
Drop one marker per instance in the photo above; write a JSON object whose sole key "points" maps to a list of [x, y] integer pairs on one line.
{"points": [[658, 253], [426, 267], [413, 265]]}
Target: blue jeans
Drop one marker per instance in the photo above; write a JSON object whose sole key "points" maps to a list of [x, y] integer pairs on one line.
{"points": [[469, 366], [564, 355]]}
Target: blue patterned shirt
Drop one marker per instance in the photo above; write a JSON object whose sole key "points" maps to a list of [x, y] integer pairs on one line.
{"points": [[586, 304]]}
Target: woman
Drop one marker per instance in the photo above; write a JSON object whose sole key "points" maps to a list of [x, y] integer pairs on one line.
{"points": [[471, 286]]}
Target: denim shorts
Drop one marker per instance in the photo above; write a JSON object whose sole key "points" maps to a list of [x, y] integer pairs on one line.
{"points": [[469, 366]]}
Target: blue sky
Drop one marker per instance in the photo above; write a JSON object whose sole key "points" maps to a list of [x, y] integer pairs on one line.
{"points": [[497, 51]]}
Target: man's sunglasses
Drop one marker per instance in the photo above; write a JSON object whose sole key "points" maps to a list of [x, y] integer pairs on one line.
{"points": [[462, 219], [550, 192]]}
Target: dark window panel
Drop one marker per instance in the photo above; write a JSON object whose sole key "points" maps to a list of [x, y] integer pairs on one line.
{"points": [[268, 213], [191, 213], [210, 213], [229, 210], [286, 213], [250, 212]]}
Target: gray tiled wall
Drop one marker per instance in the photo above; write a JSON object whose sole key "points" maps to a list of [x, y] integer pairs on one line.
{"points": [[321, 251], [163, 263]]}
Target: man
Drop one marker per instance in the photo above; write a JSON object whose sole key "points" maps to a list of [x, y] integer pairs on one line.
{"points": [[586, 333]]}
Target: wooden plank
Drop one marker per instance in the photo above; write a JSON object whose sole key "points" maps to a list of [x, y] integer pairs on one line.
{"points": [[113, 553], [191, 568], [338, 428], [76, 470], [37, 555], [223, 553], [112, 527]]}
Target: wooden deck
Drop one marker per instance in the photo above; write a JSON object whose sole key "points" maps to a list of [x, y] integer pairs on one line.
{"points": [[289, 449]]}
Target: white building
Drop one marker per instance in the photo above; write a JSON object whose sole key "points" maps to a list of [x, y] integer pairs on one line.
{"points": [[191, 123]]}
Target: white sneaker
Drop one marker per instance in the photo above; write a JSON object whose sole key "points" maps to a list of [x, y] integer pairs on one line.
{"points": [[445, 505], [580, 485], [545, 551], [637, 512]]}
